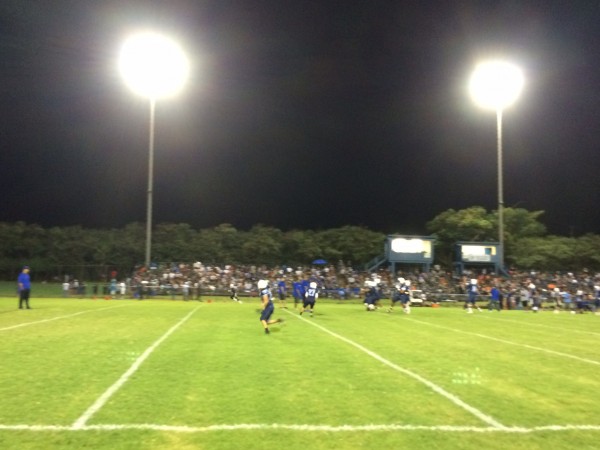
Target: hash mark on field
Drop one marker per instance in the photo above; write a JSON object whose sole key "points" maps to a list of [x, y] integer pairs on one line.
{"points": [[299, 427], [59, 317], [453, 398], [101, 401], [517, 344]]}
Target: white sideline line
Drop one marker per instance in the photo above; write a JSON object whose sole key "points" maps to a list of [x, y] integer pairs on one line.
{"points": [[517, 344], [59, 317], [299, 427], [454, 399], [101, 401]]}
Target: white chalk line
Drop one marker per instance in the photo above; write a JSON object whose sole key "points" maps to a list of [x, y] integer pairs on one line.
{"points": [[59, 317], [504, 341], [101, 401], [300, 427], [453, 398], [569, 330]]}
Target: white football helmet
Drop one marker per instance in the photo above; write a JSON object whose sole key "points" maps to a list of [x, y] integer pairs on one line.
{"points": [[262, 284], [313, 285]]}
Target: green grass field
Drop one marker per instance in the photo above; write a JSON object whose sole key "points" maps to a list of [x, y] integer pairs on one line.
{"points": [[125, 374]]}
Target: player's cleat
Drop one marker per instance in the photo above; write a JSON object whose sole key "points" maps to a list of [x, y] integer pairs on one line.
{"points": [[267, 331], [301, 312], [280, 320]]}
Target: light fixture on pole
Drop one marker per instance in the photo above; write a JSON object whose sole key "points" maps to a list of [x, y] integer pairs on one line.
{"points": [[154, 67], [496, 85]]}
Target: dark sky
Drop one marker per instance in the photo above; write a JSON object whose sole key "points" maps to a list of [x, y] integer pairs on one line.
{"points": [[299, 114]]}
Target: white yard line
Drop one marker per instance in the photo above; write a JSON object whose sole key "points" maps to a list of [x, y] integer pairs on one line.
{"points": [[528, 324], [299, 427], [101, 401], [504, 341], [58, 318], [454, 399]]}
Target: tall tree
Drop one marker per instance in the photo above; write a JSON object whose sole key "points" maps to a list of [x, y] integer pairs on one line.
{"points": [[477, 225], [263, 244], [354, 244]]}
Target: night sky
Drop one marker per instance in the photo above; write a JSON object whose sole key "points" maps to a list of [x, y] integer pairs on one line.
{"points": [[299, 114]]}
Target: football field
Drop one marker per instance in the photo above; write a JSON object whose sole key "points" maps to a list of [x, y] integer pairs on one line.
{"points": [[162, 374]]}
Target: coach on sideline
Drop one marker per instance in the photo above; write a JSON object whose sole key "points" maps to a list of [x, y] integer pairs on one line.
{"points": [[24, 283]]}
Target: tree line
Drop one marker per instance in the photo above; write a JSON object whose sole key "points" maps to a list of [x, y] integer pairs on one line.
{"points": [[53, 252]]}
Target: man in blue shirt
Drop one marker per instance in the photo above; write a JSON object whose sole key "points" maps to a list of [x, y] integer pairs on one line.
{"points": [[267, 305], [298, 293], [494, 299], [566, 295], [282, 293], [24, 283]]}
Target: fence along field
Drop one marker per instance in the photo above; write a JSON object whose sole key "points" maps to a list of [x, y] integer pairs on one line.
{"points": [[165, 374]]}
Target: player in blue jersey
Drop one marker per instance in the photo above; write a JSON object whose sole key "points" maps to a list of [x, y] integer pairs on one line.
{"points": [[472, 292], [282, 293], [495, 297], [310, 298], [536, 301], [298, 293], [401, 294], [267, 305], [24, 284], [372, 296]]}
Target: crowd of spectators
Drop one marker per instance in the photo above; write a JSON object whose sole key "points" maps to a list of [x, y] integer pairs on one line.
{"points": [[519, 289]]}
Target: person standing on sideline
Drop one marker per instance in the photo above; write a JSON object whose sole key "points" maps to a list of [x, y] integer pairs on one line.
{"points": [[297, 292], [282, 293], [66, 289], [24, 283], [495, 296], [268, 307], [310, 298]]}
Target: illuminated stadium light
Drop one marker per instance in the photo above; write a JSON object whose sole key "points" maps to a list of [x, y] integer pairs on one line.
{"points": [[496, 85], [154, 67]]}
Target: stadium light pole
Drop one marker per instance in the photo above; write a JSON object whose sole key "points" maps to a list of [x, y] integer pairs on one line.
{"points": [[155, 67], [496, 85]]}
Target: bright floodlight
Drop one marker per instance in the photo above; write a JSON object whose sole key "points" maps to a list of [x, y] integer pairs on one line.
{"points": [[153, 66], [496, 84]]}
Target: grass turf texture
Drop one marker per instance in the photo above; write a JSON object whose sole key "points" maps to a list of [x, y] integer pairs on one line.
{"points": [[204, 375]]}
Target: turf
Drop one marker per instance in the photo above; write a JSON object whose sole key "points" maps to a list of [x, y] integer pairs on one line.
{"points": [[126, 374]]}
